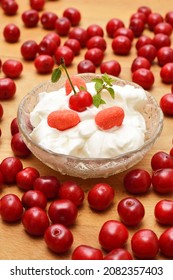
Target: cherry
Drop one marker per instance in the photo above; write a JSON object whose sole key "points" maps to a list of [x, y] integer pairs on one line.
{"points": [[145, 244], [166, 104], [25, 178], [166, 242], [47, 46], [161, 160], [112, 25], [169, 17], [137, 26], [166, 73], [62, 26], [34, 198], [14, 128], [30, 18], [73, 15], [10, 7], [37, 5], [143, 40], [74, 45], [48, 20], [113, 234], [79, 34], [11, 208], [163, 212], [49, 185], [121, 45], [118, 254], [19, 147], [161, 40], [162, 180], [111, 67], [96, 55], [164, 55], [53, 36], [143, 77], [1, 111], [163, 27], [9, 167], [86, 66], [7, 88], [11, 33], [153, 20], [58, 238], [63, 211], [44, 63], [100, 196], [80, 101], [137, 181], [139, 15], [145, 9], [125, 32], [95, 30], [148, 51], [29, 49], [72, 191], [85, 252], [35, 221], [12, 68], [97, 42], [131, 211], [66, 53], [140, 62]]}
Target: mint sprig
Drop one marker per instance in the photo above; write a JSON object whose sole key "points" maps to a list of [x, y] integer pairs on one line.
{"points": [[105, 82]]}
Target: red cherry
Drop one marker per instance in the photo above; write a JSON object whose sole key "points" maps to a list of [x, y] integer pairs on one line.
{"points": [[11, 208], [11, 33], [96, 55], [143, 77], [163, 27], [37, 4], [74, 45], [153, 20], [161, 160], [18, 146], [97, 42], [14, 128], [161, 40], [12, 68], [111, 67], [164, 55], [139, 15], [143, 40], [125, 32], [34, 198], [112, 25], [166, 73], [47, 46], [121, 45], [85, 252], [148, 51], [145, 9], [73, 15], [29, 49], [80, 101], [86, 66], [137, 26], [49, 185], [25, 178], [118, 254], [166, 104], [163, 212], [44, 63], [62, 26], [66, 53], [95, 30], [162, 180], [10, 7], [53, 36], [140, 62], [7, 88], [169, 17], [30, 18], [166, 242], [72, 191], [79, 34], [48, 20], [10, 167]]}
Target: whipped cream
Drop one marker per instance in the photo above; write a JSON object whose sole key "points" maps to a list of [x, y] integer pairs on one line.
{"points": [[86, 140]]}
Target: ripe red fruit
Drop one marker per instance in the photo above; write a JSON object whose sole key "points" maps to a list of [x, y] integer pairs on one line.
{"points": [[140, 62], [35, 221], [121, 45], [143, 77], [145, 244], [148, 51], [63, 119], [166, 104], [47, 46], [7, 88], [53, 36], [11, 33], [137, 26], [85, 252], [79, 34], [48, 20], [18, 146], [62, 26], [100, 196], [29, 49], [74, 45], [163, 212], [73, 15], [96, 55], [72, 191], [63, 211], [161, 40], [139, 15], [164, 55], [66, 53], [11, 208], [80, 101], [111, 67], [166, 242], [113, 234], [169, 17], [153, 20], [95, 30], [109, 117], [166, 73], [49, 185], [97, 42], [34, 198], [118, 254], [125, 32], [86, 66], [58, 238], [162, 180], [37, 4], [14, 128], [131, 211], [137, 181], [143, 40], [30, 18], [44, 63], [25, 178], [12, 68], [161, 160], [10, 166], [112, 25], [10, 7], [163, 27], [145, 9]]}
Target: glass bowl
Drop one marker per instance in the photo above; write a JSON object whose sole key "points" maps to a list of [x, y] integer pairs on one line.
{"points": [[88, 167]]}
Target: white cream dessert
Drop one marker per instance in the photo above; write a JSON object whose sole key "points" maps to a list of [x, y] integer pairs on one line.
{"points": [[86, 139]]}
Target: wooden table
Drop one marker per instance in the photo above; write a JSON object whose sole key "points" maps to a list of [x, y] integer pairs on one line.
{"points": [[15, 243]]}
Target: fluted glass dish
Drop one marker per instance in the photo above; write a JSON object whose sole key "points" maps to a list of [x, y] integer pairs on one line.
{"points": [[88, 167]]}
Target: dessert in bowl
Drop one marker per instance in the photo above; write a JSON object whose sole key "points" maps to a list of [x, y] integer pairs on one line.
{"points": [[94, 141]]}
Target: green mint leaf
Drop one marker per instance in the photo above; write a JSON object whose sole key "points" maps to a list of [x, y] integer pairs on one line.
{"points": [[56, 74], [98, 80], [98, 87], [107, 79], [97, 100], [111, 91], [82, 88]]}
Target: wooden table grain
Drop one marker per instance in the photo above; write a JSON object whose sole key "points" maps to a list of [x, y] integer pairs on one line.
{"points": [[15, 243]]}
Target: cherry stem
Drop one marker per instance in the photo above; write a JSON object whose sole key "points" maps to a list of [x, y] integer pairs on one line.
{"points": [[64, 67]]}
